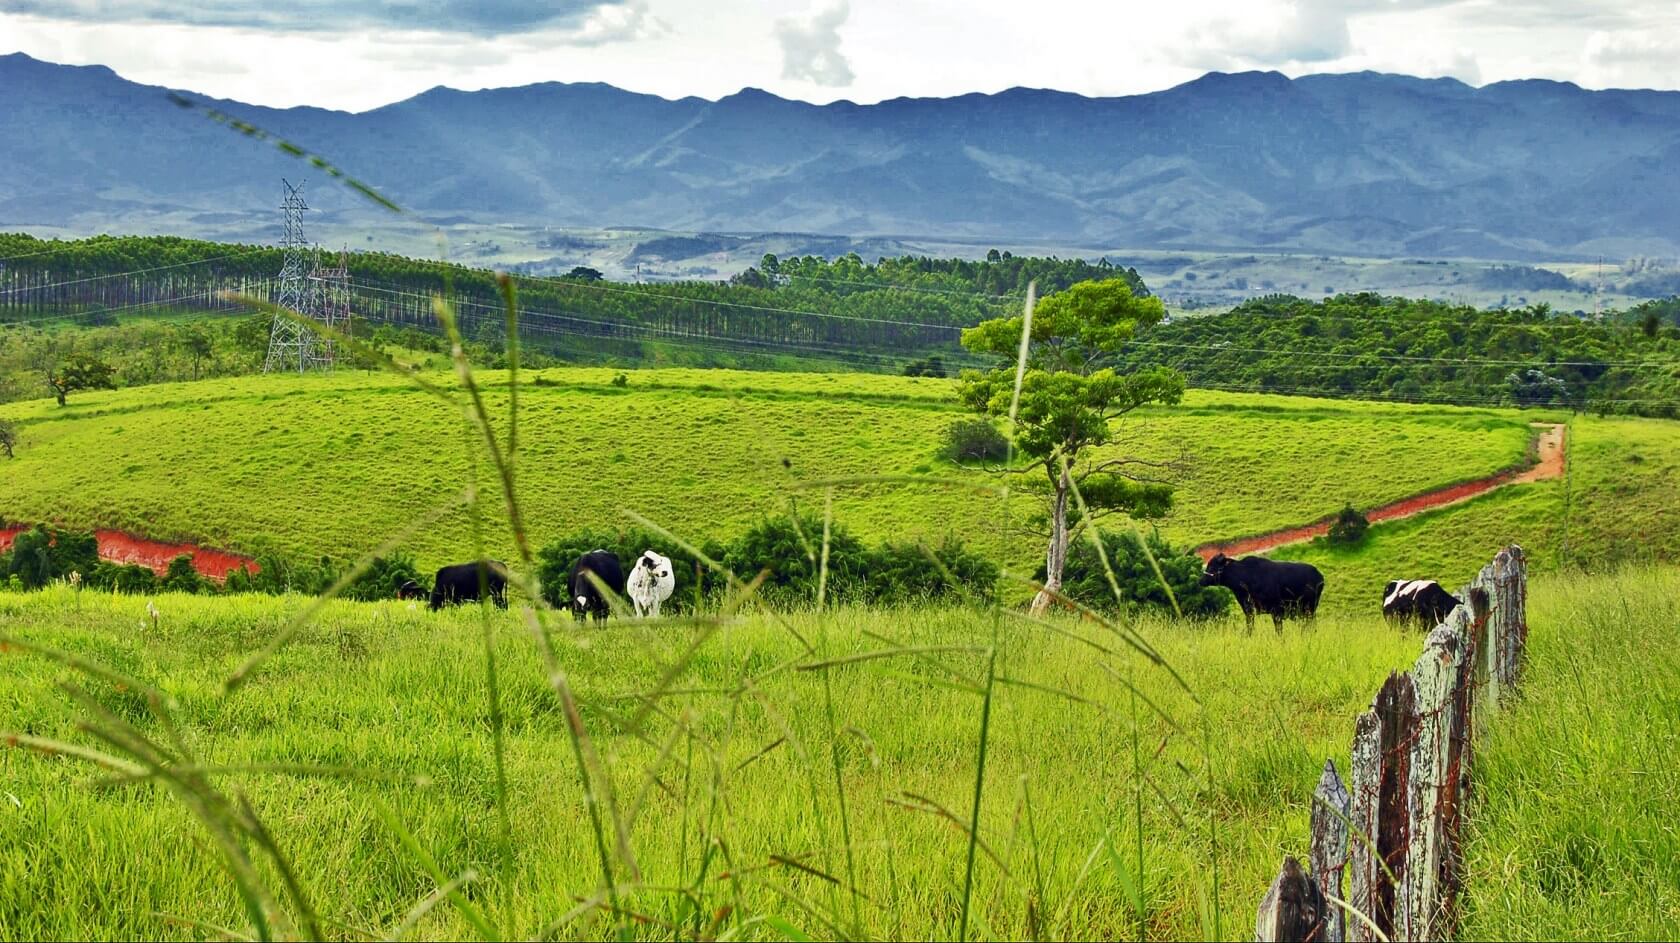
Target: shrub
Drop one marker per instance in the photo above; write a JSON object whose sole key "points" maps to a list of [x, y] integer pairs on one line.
{"points": [[1084, 580], [183, 577], [621, 380], [901, 572], [790, 547], [1348, 528], [43, 554], [383, 577], [975, 440], [123, 577]]}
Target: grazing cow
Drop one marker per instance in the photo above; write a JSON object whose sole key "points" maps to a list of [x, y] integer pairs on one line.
{"points": [[651, 582], [459, 582], [1280, 590], [1417, 600], [410, 590], [587, 597]]}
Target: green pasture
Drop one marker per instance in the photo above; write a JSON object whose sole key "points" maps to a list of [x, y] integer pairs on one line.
{"points": [[749, 774], [1618, 503], [333, 465]]}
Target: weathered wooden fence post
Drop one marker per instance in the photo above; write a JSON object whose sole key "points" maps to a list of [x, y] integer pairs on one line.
{"points": [[1399, 833], [1328, 851], [1293, 910]]}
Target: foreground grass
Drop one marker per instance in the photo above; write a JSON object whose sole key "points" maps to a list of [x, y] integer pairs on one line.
{"points": [[1573, 834], [400, 693], [330, 464]]}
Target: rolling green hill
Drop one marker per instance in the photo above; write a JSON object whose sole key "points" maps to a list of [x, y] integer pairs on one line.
{"points": [[333, 465]]}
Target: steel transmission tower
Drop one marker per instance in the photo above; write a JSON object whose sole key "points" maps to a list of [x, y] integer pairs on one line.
{"points": [[331, 307], [292, 346]]}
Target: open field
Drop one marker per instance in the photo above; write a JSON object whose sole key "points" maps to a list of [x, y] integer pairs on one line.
{"points": [[1565, 841], [334, 465], [1619, 502]]}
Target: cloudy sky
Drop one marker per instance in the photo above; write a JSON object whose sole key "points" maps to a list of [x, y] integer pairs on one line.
{"points": [[358, 54]]}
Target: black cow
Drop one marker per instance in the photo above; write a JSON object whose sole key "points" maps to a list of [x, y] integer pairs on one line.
{"points": [[459, 582], [1417, 601], [410, 590], [587, 598], [1280, 590]]}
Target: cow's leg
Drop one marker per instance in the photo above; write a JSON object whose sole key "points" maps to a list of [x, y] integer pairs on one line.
{"points": [[655, 608], [1277, 622]]}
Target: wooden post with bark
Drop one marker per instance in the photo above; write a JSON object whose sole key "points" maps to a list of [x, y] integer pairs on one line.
{"points": [[1398, 832]]}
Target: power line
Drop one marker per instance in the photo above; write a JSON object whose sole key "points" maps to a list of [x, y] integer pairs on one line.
{"points": [[631, 329]]}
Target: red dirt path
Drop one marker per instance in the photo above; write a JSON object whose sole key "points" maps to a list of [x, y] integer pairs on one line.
{"points": [[120, 547], [1549, 448]]}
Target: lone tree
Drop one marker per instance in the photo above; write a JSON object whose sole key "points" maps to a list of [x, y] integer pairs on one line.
{"points": [[1070, 400], [8, 437], [80, 372]]}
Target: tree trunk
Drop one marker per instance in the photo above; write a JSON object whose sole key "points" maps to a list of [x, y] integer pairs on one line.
{"points": [[1055, 557]]}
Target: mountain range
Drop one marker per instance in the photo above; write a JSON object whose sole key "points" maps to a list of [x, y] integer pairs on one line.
{"points": [[1364, 163]]}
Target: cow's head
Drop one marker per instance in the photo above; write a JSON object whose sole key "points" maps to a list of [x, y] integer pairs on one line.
{"points": [[657, 565], [1214, 573]]}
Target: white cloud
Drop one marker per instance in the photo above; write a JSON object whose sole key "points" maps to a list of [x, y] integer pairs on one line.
{"points": [[890, 48], [479, 17], [1642, 59], [811, 48]]}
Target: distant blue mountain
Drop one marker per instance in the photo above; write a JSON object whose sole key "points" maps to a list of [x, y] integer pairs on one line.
{"points": [[1362, 163]]}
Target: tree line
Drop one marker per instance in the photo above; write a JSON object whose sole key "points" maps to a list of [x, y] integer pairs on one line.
{"points": [[1369, 346]]}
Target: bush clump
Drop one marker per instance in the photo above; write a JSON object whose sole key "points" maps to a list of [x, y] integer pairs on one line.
{"points": [[975, 440], [1084, 580], [789, 546], [1349, 527], [901, 573]]}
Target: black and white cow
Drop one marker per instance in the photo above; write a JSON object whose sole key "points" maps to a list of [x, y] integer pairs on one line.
{"points": [[587, 597], [1278, 589], [650, 583], [1417, 601], [461, 582]]}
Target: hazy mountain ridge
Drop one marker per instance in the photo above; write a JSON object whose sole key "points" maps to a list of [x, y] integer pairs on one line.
{"points": [[1361, 163]]}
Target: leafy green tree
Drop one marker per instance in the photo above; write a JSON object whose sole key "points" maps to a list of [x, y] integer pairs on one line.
{"points": [[583, 273], [80, 372], [1533, 387], [8, 437], [1070, 399], [31, 558], [196, 344]]}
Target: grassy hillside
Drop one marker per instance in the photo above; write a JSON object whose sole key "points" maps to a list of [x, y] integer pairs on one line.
{"points": [[333, 465], [1619, 503]]}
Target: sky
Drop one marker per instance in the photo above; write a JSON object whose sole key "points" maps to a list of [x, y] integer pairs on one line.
{"points": [[359, 54]]}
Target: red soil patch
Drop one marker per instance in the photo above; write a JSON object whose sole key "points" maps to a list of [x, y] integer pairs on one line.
{"points": [[119, 547], [1548, 449]]}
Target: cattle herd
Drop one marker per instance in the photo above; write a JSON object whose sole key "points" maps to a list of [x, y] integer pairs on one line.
{"points": [[1286, 590], [1280, 589], [597, 578]]}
